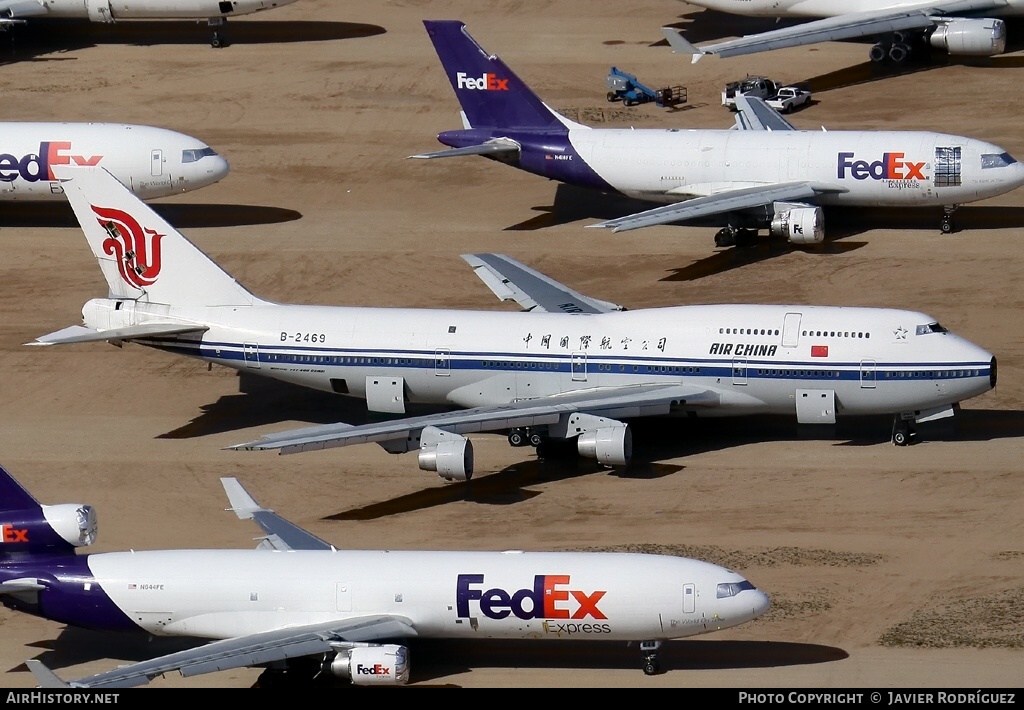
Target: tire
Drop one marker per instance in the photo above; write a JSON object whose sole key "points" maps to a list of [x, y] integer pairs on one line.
{"points": [[516, 438], [946, 226], [612, 96], [536, 439], [650, 667], [216, 42], [900, 438]]}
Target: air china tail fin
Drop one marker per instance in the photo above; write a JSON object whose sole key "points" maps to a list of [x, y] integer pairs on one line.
{"points": [[142, 256], [492, 96], [26, 526]]}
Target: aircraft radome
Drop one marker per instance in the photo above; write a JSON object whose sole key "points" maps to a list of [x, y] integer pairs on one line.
{"points": [[902, 27], [298, 603], [766, 175], [216, 12], [152, 162], [570, 369]]}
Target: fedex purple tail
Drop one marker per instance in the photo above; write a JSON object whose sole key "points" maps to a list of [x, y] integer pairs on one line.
{"points": [[28, 527], [503, 119]]}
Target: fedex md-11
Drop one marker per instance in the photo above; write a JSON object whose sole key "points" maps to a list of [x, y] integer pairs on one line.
{"points": [[767, 175], [571, 368], [152, 162], [297, 603], [215, 12], [971, 28]]}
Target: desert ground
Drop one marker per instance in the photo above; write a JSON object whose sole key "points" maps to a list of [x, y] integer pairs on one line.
{"points": [[888, 567]]}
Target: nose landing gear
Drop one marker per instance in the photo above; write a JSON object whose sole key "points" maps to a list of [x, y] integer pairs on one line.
{"points": [[947, 225], [649, 650]]}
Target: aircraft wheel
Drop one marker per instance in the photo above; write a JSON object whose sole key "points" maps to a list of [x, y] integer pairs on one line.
{"points": [[900, 438], [517, 437], [878, 53], [536, 439], [216, 42], [726, 237], [946, 226], [651, 666]]}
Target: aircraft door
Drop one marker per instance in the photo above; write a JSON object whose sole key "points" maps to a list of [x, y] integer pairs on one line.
{"points": [[868, 374], [579, 367], [251, 353], [156, 163], [443, 362], [791, 330], [689, 598], [739, 371]]}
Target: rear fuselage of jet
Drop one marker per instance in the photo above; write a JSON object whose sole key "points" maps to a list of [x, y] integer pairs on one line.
{"points": [[754, 358], [151, 162]]}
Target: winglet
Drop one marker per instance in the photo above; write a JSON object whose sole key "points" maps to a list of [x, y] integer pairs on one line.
{"points": [[680, 45], [242, 504], [46, 677]]}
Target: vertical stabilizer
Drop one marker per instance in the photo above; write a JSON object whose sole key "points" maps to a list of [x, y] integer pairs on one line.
{"points": [[142, 256], [492, 96]]}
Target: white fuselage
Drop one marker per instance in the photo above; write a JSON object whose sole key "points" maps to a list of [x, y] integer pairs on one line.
{"points": [[151, 162], [756, 358], [831, 8], [113, 10], [862, 168], [538, 595]]}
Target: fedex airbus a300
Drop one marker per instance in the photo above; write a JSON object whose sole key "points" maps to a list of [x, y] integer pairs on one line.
{"points": [[959, 27], [346, 613], [766, 175], [568, 369], [151, 162]]}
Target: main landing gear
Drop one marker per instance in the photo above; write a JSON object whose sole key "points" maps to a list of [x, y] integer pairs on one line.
{"points": [[735, 237], [947, 219], [525, 437], [903, 431], [649, 650], [219, 26]]}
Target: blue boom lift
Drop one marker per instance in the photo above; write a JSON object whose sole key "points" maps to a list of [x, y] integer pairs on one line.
{"points": [[625, 87]]}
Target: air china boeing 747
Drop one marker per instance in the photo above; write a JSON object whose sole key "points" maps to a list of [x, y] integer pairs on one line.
{"points": [[296, 603], [570, 368]]}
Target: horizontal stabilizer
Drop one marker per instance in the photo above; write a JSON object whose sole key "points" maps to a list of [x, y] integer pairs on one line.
{"points": [[753, 114], [281, 534], [679, 44], [488, 148], [46, 677], [81, 334]]}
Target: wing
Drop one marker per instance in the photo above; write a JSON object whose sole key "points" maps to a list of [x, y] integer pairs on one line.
{"points": [[613, 402], [857, 24], [491, 147], [281, 534], [729, 200], [753, 114], [242, 651], [513, 281], [81, 334]]}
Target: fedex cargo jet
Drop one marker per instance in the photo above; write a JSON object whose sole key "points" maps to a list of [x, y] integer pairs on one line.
{"points": [[765, 175], [570, 369], [297, 603], [151, 162]]}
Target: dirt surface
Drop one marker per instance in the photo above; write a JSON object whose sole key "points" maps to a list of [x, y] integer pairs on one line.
{"points": [[888, 567]]}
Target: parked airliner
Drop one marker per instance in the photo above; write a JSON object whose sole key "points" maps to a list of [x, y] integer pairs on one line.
{"points": [[959, 27], [151, 162], [297, 598], [216, 12], [570, 368], [766, 175]]}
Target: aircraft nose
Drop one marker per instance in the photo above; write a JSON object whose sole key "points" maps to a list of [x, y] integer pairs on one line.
{"points": [[761, 603], [219, 168]]}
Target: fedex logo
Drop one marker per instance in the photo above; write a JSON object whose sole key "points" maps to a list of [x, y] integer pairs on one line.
{"points": [[487, 82], [9, 533], [375, 669], [38, 166], [549, 598], [892, 166]]}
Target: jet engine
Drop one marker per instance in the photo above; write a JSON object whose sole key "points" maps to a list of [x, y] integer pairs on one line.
{"points": [[75, 523], [60, 525], [798, 224], [983, 37], [611, 446], [372, 665], [451, 455]]}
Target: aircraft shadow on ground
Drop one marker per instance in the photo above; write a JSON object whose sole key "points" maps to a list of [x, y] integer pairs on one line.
{"points": [[192, 216], [74, 646], [41, 37], [438, 658]]}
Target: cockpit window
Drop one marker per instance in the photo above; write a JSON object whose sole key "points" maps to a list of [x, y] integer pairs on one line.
{"points": [[996, 160], [930, 328], [191, 156], [731, 589]]}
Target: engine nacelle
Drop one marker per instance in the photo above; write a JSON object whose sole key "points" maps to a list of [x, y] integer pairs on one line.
{"points": [[451, 455], [983, 37], [372, 665], [611, 446], [799, 225], [75, 523]]}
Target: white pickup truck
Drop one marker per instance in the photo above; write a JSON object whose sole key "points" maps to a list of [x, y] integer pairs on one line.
{"points": [[756, 86], [788, 99]]}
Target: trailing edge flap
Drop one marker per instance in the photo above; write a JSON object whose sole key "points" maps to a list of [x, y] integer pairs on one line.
{"points": [[753, 114], [81, 334], [513, 281], [281, 534], [718, 203], [628, 401], [242, 651], [496, 146]]}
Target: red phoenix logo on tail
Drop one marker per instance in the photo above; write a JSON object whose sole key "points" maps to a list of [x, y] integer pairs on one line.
{"points": [[137, 249]]}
